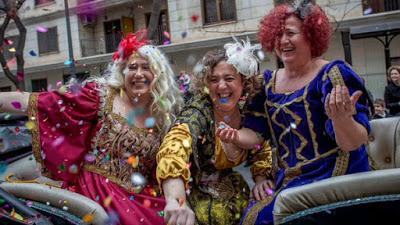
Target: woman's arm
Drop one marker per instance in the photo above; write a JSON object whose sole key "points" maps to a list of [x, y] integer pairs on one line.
{"points": [[176, 210], [340, 107], [14, 102]]}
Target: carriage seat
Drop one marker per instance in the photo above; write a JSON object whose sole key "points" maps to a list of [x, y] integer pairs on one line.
{"points": [[44, 190], [384, 156]]}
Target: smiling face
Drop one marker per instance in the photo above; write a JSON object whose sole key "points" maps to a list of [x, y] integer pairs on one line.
{"points": [[225, 86], [395, 76], [293, 46], [138, 77]]}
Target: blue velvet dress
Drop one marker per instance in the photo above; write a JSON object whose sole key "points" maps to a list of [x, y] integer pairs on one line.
{"points": [[304, 135]]}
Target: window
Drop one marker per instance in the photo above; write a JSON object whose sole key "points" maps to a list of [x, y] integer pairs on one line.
{"points": [[5, 89], [48, 41], [80, 77], [9, 47], [216, 11], [162, 26], [113, 35], [39, 85], [377, 6], [43, 2]]}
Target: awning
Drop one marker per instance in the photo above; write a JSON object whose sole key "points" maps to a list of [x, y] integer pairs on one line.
{"points": [[375, 30]]}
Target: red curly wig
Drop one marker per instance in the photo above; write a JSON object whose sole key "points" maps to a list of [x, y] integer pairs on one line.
{"points": [[316, 28]]}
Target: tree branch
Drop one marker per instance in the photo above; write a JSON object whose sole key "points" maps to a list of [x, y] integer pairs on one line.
{"points": [[3, 61], [19, 53]]}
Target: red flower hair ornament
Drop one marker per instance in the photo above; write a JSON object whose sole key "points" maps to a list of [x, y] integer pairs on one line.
{"points": [[130, 44]]}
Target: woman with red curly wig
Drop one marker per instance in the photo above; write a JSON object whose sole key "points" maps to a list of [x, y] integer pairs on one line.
{"points": [[314, 111], [101, 138]]}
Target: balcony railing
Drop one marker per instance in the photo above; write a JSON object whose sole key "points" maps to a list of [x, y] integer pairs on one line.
{"points": [[378, 6], [109, 43]]}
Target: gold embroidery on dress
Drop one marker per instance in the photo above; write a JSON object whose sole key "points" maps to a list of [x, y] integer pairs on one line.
{"points": [[36, 148], [115, 142], [310, 124]]}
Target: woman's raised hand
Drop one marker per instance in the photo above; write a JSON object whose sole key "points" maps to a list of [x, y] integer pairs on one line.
{"points": [[339, 104], [226, 133]]}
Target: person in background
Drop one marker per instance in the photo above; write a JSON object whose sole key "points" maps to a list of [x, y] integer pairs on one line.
{"points": [[392, 91], [192, 157], [380, 109], [315, 111], [101, 138]]}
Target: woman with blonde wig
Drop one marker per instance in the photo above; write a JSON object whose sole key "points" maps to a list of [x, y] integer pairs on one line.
{"points": [[101, 138]]}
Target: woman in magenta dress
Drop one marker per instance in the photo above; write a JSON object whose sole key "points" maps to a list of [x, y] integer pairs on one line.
{"points": [[101, 138]]}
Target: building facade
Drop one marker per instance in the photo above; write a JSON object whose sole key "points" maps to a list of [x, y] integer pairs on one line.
{"points": [[189, 28]]}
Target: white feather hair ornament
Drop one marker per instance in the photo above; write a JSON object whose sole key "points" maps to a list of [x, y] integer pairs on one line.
{"points": [[241, 56]]}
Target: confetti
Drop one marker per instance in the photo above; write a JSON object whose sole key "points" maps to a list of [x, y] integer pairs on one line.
{"points": [[32, 53], [186, 143], [194, 18], [261, 55], [146, 203], [20, 76], [368, 11], [30, 125], [65, 208], [167, 35], [138, 179], [68, 63], [58, 141], [293, 125], [107, 201], [88, 218], [269, 191], [8, 41], [166, 42], [221, 126], [73, 169], [184, 34], [133, 161], [16, 105], [161, 213], [11, 50], [149, 122], [41, 29], [224, 100], [180, 18]]}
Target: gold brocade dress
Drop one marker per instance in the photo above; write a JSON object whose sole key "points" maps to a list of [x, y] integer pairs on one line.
{"points": [[216, 193]]}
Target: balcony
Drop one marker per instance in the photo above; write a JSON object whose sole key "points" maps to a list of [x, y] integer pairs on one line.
{"points": [[379, 6]]}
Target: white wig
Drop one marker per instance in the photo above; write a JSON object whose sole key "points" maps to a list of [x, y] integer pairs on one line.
{"points": [[167, 99]]}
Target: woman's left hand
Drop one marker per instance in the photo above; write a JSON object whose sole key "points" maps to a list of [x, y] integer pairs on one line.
{"points": [[339, 104]]}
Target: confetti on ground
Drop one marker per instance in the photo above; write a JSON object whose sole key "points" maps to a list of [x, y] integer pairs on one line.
{"points": [[41, 29]]}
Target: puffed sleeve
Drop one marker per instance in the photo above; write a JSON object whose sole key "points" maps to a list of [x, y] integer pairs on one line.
{"points": [[221, 159], [261, 161], [178, 145], [63, 124], [255, 117], [339, 73]]}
